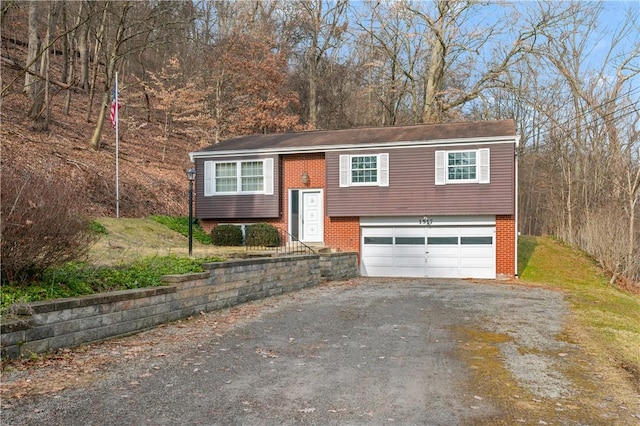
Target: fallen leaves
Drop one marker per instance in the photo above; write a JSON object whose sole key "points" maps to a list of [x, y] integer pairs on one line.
{"points": [[266, 353], [81, 366]]}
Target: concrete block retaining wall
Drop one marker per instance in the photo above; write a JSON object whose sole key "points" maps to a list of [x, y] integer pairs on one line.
{"points": [[43, 326]]}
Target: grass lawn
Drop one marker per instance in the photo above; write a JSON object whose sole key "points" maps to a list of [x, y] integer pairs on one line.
{"points": [[127, 240], [609, 316]]}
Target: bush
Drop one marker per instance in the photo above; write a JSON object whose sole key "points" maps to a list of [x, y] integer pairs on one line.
{"points": [[181, 224], [41, 226], [226, 235], [262, 234], [98, 228]]}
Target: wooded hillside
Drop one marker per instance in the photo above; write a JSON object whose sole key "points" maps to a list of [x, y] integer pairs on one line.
{"points": [[192, 73]]}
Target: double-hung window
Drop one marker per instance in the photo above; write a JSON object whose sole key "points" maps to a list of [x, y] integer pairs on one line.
{"points": [[364, 170], [252, 176], [226, 177], [238, 177], [468, 166]]}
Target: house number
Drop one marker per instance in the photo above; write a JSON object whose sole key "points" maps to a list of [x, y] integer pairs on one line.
{"points": [[426, 220]]}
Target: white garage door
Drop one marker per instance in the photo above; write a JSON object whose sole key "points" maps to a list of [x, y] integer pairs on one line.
{"points": [[439, 252]]}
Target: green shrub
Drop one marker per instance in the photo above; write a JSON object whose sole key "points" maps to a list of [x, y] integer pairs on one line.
{"points": [[181, 224], [226, 235], [262, 234], [98, 228]]}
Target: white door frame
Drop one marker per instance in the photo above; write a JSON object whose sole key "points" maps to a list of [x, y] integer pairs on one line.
{"points": [[300, 212]]}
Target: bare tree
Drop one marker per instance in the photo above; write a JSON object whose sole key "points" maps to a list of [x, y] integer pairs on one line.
{"points": [[130, 30], [588, 167], [33, 51], [457, 45], [396, 52], [325, 25]]}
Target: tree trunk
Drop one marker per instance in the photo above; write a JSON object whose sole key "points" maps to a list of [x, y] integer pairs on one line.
{"points": [[112, 58], [435, 74], [66, 45], [313, 98], [83, 46], [96, 61], [33, 50], [313, 66], [97, 132]]}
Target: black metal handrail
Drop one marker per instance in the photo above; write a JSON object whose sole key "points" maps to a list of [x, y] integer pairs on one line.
{"points": [[294, 245], [289, 244]]}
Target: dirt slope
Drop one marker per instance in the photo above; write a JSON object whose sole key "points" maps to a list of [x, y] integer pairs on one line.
{"points": [[151, 178]]}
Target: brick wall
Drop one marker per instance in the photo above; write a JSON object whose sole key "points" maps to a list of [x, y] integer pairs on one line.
{"points": [[343, 233], [505, 246], [43, 326]]}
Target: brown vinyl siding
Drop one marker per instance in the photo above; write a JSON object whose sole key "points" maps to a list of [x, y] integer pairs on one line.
{"points": [[412, 189], [246, 206]]}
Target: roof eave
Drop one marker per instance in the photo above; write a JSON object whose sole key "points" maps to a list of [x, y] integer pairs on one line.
{"points": [[352, 147]]}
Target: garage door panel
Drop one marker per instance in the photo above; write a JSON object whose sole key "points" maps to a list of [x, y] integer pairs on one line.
{"points": [[409, 271], [386, 261], [436, 251], [443, 272], [412, 251], [477, 262], [483, 252], [413, 261], [438, 262]]}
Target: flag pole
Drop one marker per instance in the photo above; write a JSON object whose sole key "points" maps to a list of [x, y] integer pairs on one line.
{"points": [[117, 159]]}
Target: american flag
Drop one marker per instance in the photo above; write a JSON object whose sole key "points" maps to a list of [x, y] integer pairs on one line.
{"points": [[115, 105]]}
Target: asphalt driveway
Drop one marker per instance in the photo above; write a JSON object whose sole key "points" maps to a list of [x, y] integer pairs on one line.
{"points": [[368, 351]]}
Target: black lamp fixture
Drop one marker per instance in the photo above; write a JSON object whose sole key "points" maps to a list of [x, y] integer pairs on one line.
{"points": [[191, 176]]}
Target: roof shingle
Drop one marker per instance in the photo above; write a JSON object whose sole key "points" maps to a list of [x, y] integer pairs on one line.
{"points": [[370, 135]]}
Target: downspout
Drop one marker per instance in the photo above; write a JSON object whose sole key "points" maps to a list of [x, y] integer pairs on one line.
{"points": [[517, 140]]}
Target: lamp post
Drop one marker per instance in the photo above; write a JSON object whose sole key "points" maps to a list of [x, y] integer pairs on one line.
{"points": [[191, 175]]}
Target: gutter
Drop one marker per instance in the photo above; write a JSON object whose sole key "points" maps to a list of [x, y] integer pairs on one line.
{"points": [[354, 147]]}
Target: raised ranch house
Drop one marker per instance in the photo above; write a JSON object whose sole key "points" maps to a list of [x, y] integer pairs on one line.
{"points": [[424, 201]]}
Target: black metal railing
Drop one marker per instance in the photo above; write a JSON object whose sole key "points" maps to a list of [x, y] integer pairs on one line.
{"points": [[288, 245], [293, 245]]}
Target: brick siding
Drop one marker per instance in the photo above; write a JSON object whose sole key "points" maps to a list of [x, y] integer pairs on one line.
{"points": [[505, 246]]}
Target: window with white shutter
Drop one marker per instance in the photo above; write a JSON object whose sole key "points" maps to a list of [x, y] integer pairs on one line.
{"points": [[463, 166], [364, 170], [238, 177]]}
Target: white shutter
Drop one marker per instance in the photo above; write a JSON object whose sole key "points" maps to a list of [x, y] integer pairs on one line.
{"points": [[441, 167], [209, 178], [383, 170], [268, 176], [345, 171], [483, 165]]}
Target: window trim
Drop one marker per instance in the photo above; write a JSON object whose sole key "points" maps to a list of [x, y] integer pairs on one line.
{"points": [[210, 177], [482, 167], [382, 170]]}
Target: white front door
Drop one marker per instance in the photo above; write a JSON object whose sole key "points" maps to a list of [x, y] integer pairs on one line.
{"points": [[311, 216]]}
